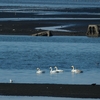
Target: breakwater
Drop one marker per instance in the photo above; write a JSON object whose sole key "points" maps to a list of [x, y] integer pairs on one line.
{"points": [[55, 90]]}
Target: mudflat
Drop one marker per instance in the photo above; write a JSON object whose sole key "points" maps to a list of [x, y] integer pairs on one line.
{"points": [[56, 90], [61, 22]]}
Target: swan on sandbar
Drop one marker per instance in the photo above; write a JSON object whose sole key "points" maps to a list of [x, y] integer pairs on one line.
{"points": [[58, 70], [76, 70], [11, 81], [39, 71], [53, 71]]}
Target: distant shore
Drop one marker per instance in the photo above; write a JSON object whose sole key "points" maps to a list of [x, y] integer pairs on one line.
{"points": [[18, 23]]}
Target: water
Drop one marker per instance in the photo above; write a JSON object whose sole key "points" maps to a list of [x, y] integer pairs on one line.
{"points": [[40, 98], [49, 7], [52, 3], [21, 55]]}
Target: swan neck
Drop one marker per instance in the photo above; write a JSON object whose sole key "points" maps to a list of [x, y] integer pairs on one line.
{"points": [[73, 68], [56, 68], [51, 68]]}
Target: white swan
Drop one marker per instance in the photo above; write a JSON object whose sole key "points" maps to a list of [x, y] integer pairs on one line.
{"points": [[53, 71], [76, 70], [39, 71], [58, 70]]}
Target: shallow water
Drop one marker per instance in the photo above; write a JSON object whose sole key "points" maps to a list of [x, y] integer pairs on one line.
{"points": [[51, 3], [21, 55], [39, 98]]}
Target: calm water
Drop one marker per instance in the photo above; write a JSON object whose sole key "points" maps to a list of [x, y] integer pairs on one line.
{"points": [[51, 3], [21, 55], [49, 7]]}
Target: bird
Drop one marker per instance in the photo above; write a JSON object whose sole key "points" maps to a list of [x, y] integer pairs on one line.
{"points": [[58, 70], [11, 81], [76, 70], [39, 71], [53, 71]]}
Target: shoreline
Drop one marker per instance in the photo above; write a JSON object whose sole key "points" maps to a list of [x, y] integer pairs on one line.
{"points": [[53, 90]]}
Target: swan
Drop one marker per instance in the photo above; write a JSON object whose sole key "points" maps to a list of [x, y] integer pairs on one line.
{"points": [[11, 81], [39, 71], [58, 70], [76, 70], [53, 71]]}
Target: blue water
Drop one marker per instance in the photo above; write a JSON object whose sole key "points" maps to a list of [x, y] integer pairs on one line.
{"points": [[42, 6], [52, 3], [21, 55]]}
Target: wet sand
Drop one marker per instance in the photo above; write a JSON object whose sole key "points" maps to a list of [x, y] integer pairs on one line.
{"points": [[28, 28], [25, 23], [54, 90]]}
